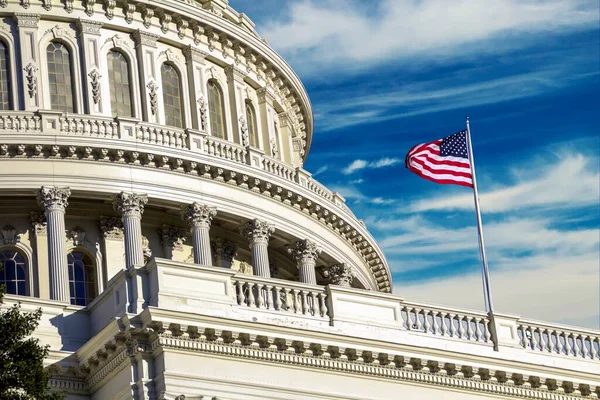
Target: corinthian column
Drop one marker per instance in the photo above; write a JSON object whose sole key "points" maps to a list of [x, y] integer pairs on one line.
{"points": [[258, 233], [54, 201], [306, 252], [338, 274], [131, 208], [198, 217]]}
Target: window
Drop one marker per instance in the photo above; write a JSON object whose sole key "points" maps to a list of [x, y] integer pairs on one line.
{"points": [[216, 110], [252, 126], [5, 92], [81, 278], [120, 87], [60, 77], [172, 95], [13, 272]]}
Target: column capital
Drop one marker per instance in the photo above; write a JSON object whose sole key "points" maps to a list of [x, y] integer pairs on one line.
{"points": [[130, 204], [88, 26], [304, 251], [145, 38], [172, 236], [257, 231], [39, 223], [224, 250], [338, 274], [197, 214], [53, 198], [27, 20], [111, 227]]}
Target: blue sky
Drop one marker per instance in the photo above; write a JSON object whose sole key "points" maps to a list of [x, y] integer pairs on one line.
{"points": [[384, 75]]}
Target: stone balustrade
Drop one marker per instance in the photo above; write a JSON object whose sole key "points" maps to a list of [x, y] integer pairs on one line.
{"points": [[555, 339], [225, 149]]}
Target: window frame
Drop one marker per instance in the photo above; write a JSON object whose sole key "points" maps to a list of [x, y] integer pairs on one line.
{"points": [[223, 118], [181, 94], [130, 72], [92, 276], [10, 72], [26, 255], [252, 119]]}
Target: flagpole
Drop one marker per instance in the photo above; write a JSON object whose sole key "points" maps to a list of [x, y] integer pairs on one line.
{"points": [[487, 292]]}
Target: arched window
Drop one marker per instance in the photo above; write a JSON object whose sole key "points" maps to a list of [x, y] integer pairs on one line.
{"points": [[120, 86], [172, 95], [5, 91], [13, 272], [60, 75], [216, 109], [252, 126], [82, 287]]}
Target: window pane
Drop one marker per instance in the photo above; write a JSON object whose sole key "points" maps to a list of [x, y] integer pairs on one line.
{"points": [[252, 127], [118, 78], [5, 92], [60, 77], [171, 96], [216, 110], [81, 278], [14, 272]]}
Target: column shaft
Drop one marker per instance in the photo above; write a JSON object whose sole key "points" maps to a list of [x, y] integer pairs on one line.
{"points": [[260, 259], [307, 273], [202, 253], [132, 227], [57, 256]]}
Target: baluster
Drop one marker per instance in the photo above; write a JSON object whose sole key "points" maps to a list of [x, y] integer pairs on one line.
{"points": [[426, 323], [486, 330], [452, 327], [260, 301], [477, 329], [532, 341], [269, 296], [550, 343], [593, 351], [542, 342], [277, 298], [240, 292], [286, 299], [314, 307], [582, 348], [305, 309], [568, 347], [323, 304], [409, 322], [418, 321], [469, 328], [435, 327], [461, 329], [443, 323], [251, 302]]}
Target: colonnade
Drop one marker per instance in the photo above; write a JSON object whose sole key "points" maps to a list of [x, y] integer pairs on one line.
{"points": [[198, 218]]}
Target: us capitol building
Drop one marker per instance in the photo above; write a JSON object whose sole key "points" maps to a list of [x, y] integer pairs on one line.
{"points": [[154, 204]]}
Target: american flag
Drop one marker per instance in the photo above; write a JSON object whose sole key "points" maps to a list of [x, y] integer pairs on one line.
{"points": [[442, 161]]}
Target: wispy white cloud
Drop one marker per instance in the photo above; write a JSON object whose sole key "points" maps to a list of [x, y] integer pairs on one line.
{"points": [[357, 181], [352, 193], [357, 165], [573, 181], [327, 34], [321, 170]]}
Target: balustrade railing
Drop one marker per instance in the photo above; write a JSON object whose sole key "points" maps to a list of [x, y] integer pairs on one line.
{"points": [[88, 126], [18, 121], [225, 149], [441, 322], [278, 168], [281, 296], [319, 189], [539, 337], [170, 137]]}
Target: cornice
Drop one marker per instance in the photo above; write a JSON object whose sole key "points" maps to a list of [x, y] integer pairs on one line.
{"points": [[290, 350], [137, 157]]}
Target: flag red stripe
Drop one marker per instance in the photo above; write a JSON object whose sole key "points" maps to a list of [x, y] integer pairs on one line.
{"points": [[423, 163], [442, 181]]}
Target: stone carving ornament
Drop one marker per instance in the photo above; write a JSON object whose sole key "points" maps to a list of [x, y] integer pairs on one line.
{"points": [[257, 231], [77, 235], [53, 198], [95, 83], [153, 95], [338, 274], [8, 235], [197, 214], [244, 131], [224, 250], [38, 222], [172, 236], [31, 79], [130, 203], [202, 108], [111, 227], [304, 251]]}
